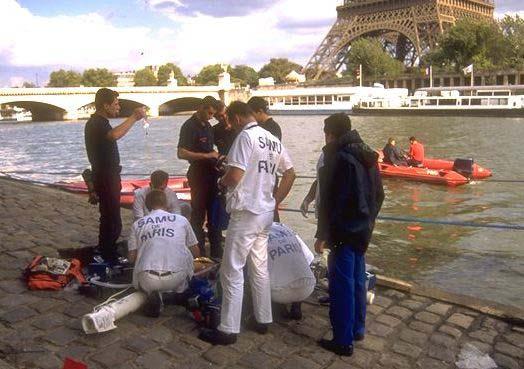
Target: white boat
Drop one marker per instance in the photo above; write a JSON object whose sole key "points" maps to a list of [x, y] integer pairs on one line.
{"points": [[323, 100], [15, 115], [500, 101]]}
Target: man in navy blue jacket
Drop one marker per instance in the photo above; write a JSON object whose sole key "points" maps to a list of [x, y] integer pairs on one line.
{"points": [[351, 195]]}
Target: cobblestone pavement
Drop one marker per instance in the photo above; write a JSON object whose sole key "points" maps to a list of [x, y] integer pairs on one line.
{"points": [[39, 329]]}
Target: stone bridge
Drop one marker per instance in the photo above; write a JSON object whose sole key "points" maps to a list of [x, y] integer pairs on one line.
{"points": [[78, 102]]}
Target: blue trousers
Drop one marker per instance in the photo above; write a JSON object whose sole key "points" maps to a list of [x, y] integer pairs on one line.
{"points": [[347, 294]]}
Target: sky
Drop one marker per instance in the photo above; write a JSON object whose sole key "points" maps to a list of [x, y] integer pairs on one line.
{"points": [[39, 36]]}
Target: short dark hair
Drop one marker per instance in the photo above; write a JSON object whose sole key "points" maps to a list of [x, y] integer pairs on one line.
{"points": [[412, 138], [104, 96], [209, 101], [239, 108], [391, 139], [337, 124], [156, 199], [158, 178], [258, 104]]}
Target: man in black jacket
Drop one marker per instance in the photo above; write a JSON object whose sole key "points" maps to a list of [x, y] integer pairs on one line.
{"points": [[351, 195], [393, 155]]}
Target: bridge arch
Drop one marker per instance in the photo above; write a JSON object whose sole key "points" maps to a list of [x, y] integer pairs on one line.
{"points": [[179, 105], [40, 111]]}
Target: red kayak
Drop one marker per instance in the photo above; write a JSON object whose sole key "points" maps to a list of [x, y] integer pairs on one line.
{"points": [[478, 172], [177, 184], [441, 177]]}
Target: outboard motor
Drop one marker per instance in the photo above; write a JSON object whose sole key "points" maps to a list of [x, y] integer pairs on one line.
{"points": [[464, 167]]}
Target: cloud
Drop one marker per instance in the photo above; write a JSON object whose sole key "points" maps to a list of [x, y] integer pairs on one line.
{"points": [[16, 81], [502, 6], [224, 8]]}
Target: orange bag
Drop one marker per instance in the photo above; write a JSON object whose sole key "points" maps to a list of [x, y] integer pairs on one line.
{"points": [[44, 273]]}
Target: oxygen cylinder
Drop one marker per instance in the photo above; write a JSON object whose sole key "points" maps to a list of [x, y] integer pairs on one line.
{"points": [[103, 318]]}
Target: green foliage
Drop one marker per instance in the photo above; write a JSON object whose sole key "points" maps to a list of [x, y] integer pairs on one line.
{"points": [[145, 77], [28, 85], [279, 68], [244, 75], [165, 70], [471, 41], [513, 31], [376, 62], [63, 78], [208, 75], [100, 77]]}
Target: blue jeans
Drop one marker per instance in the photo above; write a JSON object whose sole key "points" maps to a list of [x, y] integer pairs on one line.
{"points": [[347, 294]]}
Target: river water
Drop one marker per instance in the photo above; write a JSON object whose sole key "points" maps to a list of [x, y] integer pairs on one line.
{"points": [[486, 263]]}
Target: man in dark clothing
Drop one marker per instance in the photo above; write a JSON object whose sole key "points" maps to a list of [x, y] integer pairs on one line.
{"points": [[393, 155], [102, 152], [196, 145], [260, 109], [351, 195], [223, 131]]}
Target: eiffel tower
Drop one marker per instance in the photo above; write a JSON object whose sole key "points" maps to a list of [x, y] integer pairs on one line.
{"points": [[408, 28]]}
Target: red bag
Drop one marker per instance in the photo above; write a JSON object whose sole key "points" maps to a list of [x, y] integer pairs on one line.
{"points": [[44, 273]]}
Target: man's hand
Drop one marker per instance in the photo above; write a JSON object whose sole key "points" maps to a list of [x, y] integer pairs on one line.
{"points": [[93, 198], [212, 155], [304, 207], [319, 246], [139, 113]]}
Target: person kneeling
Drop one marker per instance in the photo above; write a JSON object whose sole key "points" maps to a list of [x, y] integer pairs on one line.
{"points": [[291, 278], [162, 246]]}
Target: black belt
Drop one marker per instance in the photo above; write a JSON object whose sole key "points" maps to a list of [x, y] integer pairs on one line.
{"points": [[159, 274]]}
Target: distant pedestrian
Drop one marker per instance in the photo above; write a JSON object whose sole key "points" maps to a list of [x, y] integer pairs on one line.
{"points": [[350, 199], [196, 145], [253, 161], [102, 152], [260, 109]]}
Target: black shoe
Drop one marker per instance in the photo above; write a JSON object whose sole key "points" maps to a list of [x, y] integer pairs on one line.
{"points": [[260, 328], [342, 350], [153, 306], [295, 312], [358, 337], [216, 337]]}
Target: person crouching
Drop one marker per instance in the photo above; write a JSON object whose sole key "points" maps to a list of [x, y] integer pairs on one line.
{"points": [[162, 246], [291, 278]]}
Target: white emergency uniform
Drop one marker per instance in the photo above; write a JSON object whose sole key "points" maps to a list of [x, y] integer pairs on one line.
{"points": [[164, 261], [251, 204], [139, 203], [288, 261]]}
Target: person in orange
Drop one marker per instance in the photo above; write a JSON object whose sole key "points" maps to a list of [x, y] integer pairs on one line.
{"points": [[416, 152]]}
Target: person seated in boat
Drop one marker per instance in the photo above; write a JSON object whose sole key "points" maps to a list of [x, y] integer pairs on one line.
{"points": [[393, 155], [159, 180], [162, 246], [416, 153]]}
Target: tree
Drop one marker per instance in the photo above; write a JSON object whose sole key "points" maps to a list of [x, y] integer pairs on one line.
{"points": [[245, 75], [376, 62], [28, 85], [165, 70], [63, 78], [145, 77], [100, 77], [279, 68], [471, 41], [208, 75], [513, 31]]}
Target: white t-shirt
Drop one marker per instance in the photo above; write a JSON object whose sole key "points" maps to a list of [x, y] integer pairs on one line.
{"points": [[288, 259], [139, 203], [162, 241], [261, 156]]}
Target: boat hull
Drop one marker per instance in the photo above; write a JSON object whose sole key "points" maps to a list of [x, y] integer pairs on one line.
{"points": [[440, 177], [177, 184], [504, 113], [438, 164]]}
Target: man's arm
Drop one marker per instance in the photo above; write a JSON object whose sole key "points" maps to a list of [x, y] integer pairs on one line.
{"points": [[195, 251], [232, 177], [288, 178], [120, 131], [186, 154], [132, 246], [308, 199], [138, 205]]}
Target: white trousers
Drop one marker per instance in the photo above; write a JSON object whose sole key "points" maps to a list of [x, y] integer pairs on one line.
{"points": [[246, 241], [175, 281]]}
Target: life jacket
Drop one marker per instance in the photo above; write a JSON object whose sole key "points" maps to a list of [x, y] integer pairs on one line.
{"points": [[45, 273]]}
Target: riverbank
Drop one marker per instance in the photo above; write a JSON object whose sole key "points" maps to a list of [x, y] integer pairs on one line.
{"points": [[39, 329]]}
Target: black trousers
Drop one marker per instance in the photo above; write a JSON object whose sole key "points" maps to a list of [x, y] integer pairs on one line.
{"points": [[204, 192], [108, 187]]}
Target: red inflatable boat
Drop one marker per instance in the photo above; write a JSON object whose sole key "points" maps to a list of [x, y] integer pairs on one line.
{"points": [[437, 171], [177, 184]]}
